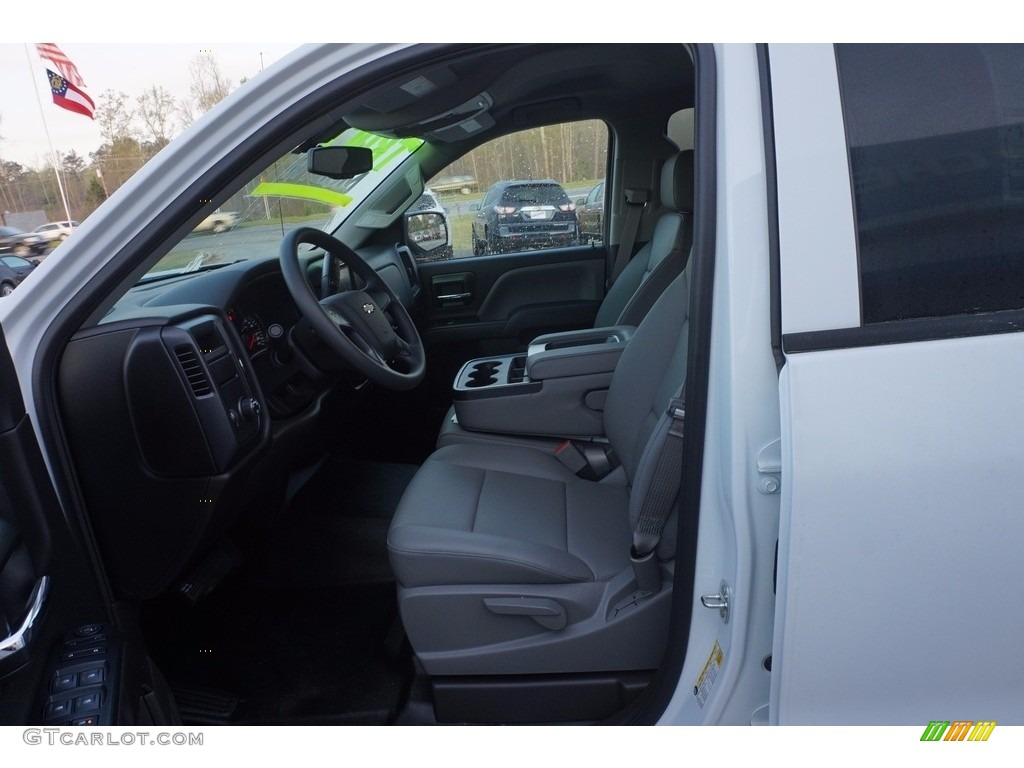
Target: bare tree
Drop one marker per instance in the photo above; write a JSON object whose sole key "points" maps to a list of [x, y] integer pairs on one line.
{"points": [[209, 86], [115, 116], [156, 110], [186, 112]]}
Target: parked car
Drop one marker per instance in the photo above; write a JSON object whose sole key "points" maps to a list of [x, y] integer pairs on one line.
{"points": [[590, 211], [19, 243], [56, 231], [219, 221], [13, 269], [789, 494], [523, 214]]}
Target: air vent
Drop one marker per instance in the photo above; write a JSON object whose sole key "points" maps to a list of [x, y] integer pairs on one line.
{"points": [[194, 371]]}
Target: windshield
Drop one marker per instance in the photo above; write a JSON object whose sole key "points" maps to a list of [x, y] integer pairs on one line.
{"points": [[251, 223]]}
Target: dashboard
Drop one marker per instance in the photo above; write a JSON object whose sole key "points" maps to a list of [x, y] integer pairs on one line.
{"points": [[184, 403]]}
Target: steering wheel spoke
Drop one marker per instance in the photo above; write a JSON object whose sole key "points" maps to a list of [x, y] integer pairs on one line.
{"points": [[370, 328], [335, 316]]}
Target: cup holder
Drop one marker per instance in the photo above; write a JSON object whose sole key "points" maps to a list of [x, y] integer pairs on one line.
{"points": [[483, 374], [493, 372]]}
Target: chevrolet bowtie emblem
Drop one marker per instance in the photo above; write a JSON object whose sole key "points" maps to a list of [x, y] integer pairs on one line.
{"points": [[368, 308]]}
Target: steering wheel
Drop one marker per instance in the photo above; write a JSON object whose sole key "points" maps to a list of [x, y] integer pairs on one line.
{"points": [[368, 328]]}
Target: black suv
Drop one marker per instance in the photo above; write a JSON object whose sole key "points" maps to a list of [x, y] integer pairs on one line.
{"points": [[517, 215]]}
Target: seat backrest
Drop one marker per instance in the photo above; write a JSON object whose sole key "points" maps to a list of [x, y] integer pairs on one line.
{"points": [[655, 265], [648, 375]]}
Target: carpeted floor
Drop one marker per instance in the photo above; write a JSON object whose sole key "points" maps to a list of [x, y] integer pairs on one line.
{"points": [[306, 631]]}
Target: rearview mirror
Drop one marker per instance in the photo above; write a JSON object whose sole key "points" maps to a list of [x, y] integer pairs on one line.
{"points": [[339, 162]]}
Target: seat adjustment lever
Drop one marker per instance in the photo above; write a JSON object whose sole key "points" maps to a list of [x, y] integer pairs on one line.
{"points": [[547, 613]]}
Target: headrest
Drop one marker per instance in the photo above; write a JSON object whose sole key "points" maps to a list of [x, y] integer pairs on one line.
{"points": [[677, 182]]}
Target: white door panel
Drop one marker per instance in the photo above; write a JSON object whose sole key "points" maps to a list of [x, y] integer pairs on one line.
{"points": [[902, 519]]}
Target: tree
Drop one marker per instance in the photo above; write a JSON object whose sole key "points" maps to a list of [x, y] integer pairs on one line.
{"points": [[72, 164], [114, 116], [95, 193], [118, 160], [156, 110], [209, 86]]}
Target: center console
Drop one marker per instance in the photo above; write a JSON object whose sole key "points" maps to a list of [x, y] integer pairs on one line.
{"points": [[556, 389]]}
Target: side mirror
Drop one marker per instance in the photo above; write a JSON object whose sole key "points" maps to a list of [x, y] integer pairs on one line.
{"points": [[474, 206], [339, 162], [580, 201], [428, 236]]}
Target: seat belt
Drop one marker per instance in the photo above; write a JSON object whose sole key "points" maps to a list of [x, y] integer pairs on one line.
{"points": [[636, 199], [655, 490], [588, 460]]}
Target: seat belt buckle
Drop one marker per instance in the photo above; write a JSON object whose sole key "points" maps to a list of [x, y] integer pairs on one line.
{"points": [[677, 413], [590, 461], [571, 456]]}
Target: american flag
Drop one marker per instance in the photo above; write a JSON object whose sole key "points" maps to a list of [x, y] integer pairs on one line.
{"points": [[50, 52]]}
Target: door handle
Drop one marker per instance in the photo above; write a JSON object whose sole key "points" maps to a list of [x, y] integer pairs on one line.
{"points": [[19, 640]]}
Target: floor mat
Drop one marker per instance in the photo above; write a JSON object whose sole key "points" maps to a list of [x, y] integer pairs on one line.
{"points": [[307, 630], [316, 656], [335, 529]]}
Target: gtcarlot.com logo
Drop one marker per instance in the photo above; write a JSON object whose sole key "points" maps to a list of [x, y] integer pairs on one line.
{"points": [[958, 730], [88, 738]]}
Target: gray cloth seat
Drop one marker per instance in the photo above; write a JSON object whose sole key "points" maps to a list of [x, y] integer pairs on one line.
{"points": [[507, 562], [663, 257], [644, 279], [503, 514]]}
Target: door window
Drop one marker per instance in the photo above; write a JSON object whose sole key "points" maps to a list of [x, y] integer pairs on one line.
{"points": [[936, 138], [523, 191]]}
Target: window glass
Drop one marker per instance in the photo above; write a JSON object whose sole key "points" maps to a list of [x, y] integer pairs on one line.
{"points": [[284, 195], [936, 138], [524, 191]]}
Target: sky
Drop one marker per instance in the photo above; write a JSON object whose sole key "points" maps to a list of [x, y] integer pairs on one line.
{"points": [[131, 68], [149, 50]]}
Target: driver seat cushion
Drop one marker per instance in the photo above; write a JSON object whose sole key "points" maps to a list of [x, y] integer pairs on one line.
{"points": [[507, 514]]}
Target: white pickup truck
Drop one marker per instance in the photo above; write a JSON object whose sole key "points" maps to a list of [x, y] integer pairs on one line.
{"points": [[201, 469]]}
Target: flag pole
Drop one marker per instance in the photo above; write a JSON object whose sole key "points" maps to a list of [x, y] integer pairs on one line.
{"points": [[46, 129]]}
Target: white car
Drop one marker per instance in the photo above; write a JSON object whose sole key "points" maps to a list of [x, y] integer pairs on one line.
{"points": [[56, 231], [218, 221], [754, 460]]}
